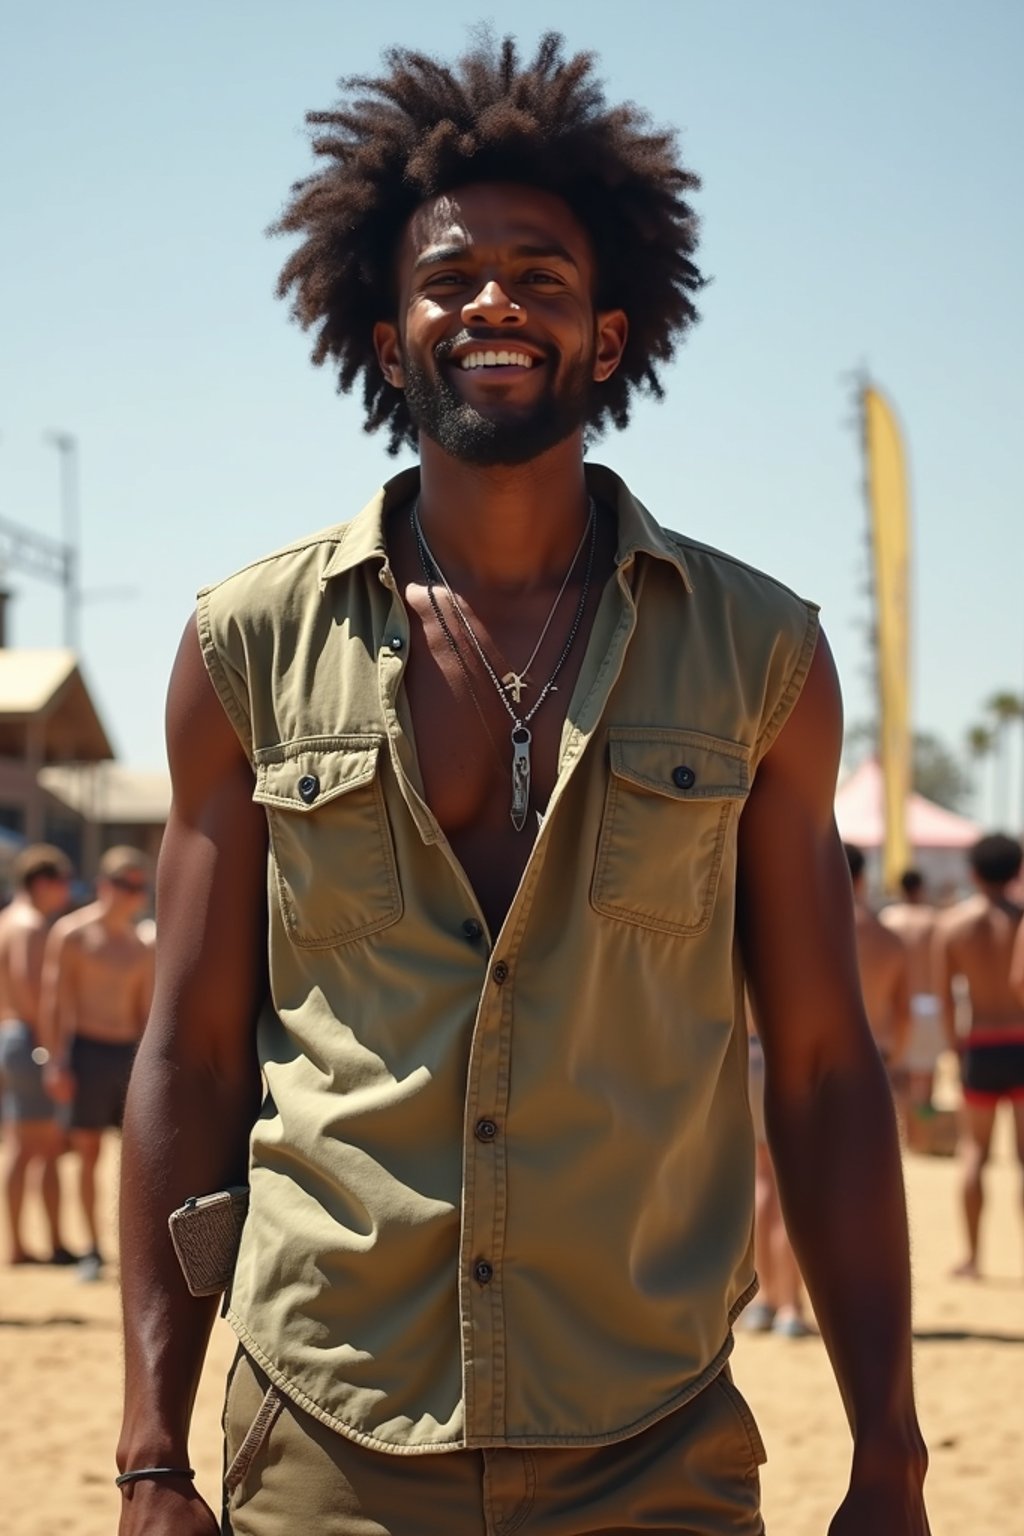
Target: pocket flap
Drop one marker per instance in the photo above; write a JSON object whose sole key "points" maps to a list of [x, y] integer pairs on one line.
{"points": [[303, 775], [683, 765]]}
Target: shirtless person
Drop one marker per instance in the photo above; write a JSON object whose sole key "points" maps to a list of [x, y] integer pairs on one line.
{"points": [[912, 920], [884, 981], [98, 984], [975, 940], [33, 1138]]}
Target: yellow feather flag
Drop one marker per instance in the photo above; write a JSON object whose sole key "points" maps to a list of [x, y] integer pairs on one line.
{"points": [[890, 540]]}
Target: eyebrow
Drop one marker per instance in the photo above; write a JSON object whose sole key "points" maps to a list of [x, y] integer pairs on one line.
{"points": [[435, 255]]}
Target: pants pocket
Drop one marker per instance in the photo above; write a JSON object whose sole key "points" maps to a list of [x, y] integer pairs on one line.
{"points": [[745, 1420]]}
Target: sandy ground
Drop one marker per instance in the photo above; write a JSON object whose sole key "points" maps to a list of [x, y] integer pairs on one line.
{"points": [[60, 1380]]}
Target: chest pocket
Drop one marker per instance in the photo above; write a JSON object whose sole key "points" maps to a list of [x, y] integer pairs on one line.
{"points": [[670, 815], [331, 847]]}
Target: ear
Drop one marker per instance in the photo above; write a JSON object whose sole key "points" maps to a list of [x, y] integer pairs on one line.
{"points": [[388, 347], [612, 330]]}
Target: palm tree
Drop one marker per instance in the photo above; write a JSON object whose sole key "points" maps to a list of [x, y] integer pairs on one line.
{"points": [[1005, 709], [980, 742]]}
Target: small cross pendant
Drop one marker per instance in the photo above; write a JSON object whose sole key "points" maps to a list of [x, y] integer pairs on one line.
{"points": [[514, 685]]}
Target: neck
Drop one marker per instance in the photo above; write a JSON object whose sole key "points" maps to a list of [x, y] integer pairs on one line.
{"points": [[113, 918], [512, 527], [996, 894]]}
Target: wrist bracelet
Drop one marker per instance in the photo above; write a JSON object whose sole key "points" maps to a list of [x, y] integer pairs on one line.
{"points": [[137, 1472]]}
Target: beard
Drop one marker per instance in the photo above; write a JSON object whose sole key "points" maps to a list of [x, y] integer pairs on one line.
{"points": [[508, 435]]}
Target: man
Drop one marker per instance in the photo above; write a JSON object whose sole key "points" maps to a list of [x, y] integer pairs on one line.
{"points": [[975, 940], [42, 876], [501, 727], [884, 979], [98, 984], [912, 920]]}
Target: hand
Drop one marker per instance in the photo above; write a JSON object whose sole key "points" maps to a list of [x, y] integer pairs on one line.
{"points": [[59, 1083], [157, 1507]]}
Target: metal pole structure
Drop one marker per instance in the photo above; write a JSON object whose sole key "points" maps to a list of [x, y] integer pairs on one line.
{"points": [[67, 447]]}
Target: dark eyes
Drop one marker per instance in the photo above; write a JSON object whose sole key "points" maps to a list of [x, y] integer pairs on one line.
{"points": [[533, 279]]}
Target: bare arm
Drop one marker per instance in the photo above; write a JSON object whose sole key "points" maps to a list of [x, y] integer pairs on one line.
{"points": [[829, 1113], [57, 994], [195, 1088], [900, 1008], [58, 1010], [7, 1004], [944, 970], [1017, 965]]}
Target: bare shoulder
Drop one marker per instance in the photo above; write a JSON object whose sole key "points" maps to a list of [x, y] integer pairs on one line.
{"points": [[894, 917], [21, 919], [71, 930]]}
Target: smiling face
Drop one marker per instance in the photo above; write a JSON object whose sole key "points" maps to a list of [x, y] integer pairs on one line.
{"points": [[498, 345]]}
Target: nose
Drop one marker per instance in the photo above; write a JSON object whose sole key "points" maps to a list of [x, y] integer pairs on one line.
{"points": [[492, 306]]}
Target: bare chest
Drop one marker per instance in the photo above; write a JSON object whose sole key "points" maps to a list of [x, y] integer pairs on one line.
{"points": [[464, 719], [111, 961]]}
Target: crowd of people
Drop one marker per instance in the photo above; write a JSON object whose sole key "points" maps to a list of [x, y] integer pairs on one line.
{"points": [[934, 979], [75, 990]]}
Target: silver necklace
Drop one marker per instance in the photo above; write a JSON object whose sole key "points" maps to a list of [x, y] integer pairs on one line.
{"points": [[521, 735], [516, 682]]}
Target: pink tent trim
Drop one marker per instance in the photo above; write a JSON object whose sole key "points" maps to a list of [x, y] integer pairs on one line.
{"points": [[859, 815]]}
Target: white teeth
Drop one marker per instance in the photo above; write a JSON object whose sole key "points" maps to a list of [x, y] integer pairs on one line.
{"points": [[496, 360]]}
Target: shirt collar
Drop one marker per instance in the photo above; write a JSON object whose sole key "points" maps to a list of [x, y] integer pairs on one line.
{"points": [[363, 539]]}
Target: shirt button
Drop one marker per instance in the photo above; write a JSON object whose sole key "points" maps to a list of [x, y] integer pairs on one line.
{"points": [[486, 1130], [472, 930], [499, 973], [396, 642], [683, 777], [309, 788], [483, 1273]]}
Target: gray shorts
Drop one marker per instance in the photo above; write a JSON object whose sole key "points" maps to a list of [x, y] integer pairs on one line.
{"points": [[22, 1094]]}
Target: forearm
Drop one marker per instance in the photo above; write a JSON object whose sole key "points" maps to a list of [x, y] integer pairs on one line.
{"points": [[837, 1157], [185, 1133]]}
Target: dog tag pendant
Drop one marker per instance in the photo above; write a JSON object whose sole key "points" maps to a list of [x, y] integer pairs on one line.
{"points": [[521, 738]]}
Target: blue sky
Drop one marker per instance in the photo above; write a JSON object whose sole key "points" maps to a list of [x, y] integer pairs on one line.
{"points": [[861, 206]]}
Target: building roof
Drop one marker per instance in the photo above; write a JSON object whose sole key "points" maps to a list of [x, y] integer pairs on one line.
{"points": [[109, 793], [47, 686]]}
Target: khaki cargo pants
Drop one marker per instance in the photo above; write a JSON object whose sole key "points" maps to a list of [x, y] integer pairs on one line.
{"points": [[695, 1472]]}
